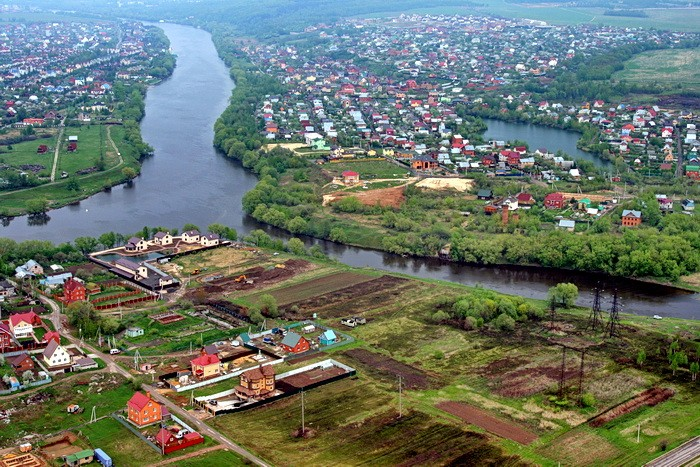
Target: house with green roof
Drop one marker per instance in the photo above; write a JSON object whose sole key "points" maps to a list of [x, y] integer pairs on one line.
{"points": [[79, 458]]}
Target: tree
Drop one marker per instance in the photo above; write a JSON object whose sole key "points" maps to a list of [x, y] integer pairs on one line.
{"points": [[223, 231], [296, 246], [694, 370], [86, 244], [189, 226], [255, 316], [28, 376], [268, 305], [641, 357], [107, 239], [564, 294], [504, 322], [677, 360], [73, 185], [37, 205], [129, 173]]}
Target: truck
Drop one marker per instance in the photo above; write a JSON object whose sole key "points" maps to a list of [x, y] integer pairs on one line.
{"points": [[103, 458]]}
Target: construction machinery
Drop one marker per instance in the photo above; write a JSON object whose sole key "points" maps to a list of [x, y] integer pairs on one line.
{"points": [[196, 271], [240, 278], [280, 266]]}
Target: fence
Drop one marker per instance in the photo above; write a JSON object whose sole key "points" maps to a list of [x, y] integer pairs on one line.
{"points": [[107, 298], [133, 429], [126, 302], [26, 386]]}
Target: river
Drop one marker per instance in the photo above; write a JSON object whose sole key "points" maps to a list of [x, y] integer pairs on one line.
{"points": [[537, 136], [187, 180]]}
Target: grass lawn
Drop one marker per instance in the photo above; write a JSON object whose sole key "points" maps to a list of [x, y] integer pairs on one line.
{"points": [[222, 457], [51, 416], [125, 448], [92, 142], [58, 195], [368, 169], [25, 153]]}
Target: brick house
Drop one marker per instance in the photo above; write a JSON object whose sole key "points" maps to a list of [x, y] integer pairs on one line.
{"points": [[631, 218], [256, 382], [423, 162], [294, 343], [142, 410], [5, 336], [169, 442], [554, 201], [73, 291]]}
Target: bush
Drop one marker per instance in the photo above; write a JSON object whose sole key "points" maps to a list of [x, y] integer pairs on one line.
{"points": [[588, 400], [440, 316], [504, 322], [470, 323]]}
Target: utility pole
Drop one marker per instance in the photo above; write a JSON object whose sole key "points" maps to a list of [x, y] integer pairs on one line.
{"points": [[580, 377], [614, 322], [400, 396], [303, 427], [639, 429]]}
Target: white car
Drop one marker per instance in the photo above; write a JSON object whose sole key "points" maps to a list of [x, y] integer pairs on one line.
{"points": [[657, 317]]}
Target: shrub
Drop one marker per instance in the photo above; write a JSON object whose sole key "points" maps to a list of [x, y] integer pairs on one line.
{"points": [[588, 400], [504, 322]]}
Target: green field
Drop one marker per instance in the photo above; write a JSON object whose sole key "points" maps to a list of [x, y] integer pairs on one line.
{"points": [[92, 143], [676, 67], [25, 153], [52, 416], [368, 170], [58, 194], [222, 458]]}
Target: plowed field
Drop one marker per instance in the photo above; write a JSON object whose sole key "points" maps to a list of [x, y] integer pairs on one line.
{"points": [[412, 377], [488, 422], [319, 286]]}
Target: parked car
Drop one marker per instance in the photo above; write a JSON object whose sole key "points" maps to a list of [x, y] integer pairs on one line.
{"points": [[360, 320], [350, 322]]}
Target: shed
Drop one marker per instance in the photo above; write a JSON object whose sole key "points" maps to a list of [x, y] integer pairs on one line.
{"points": [[134, 332], [328, 337], [103, 458], [81, 457], [567, 224]]}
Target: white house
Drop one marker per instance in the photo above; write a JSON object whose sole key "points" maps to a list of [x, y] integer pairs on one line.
{"points": [[163, 238], [136, 244], [209, 239], [191, 236], [56, 355]]}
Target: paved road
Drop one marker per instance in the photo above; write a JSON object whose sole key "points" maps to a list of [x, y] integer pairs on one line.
{"points": [[113, 367], [683, 454], [204, 428]]}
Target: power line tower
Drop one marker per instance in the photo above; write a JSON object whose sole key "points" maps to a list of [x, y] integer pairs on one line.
{"points": [[596, 318], [137, 357], [93, 417], [614, 321]]}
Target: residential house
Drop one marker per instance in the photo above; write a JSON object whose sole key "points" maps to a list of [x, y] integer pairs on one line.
{"points": [[21, 363], [6, 335], [7, 289], [688, 205], [29, 269], [328, 337], [22, 324], [169, 442], [73, 291], [294, 343], [525, 199], [55, 355], [567, 224], [210, 239], [484, 194], [206, 366], [84, 363], [163, 238], [692, 171], [142, 410], [191, 236], [554, 201], [665, 203], [52, 336], [126, 266], [134, 331], [136, 244], [423, 162], [350, 177], [256, 382], [631, 218]]}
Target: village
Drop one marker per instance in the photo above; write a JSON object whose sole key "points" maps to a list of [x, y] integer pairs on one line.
{"points": [[213, 352]]}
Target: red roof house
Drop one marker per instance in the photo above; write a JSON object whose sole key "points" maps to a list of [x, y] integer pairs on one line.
{"points": [[525, 199], [554, 201], [206, 365], [73, 291], [169, 441], [142, 410]]}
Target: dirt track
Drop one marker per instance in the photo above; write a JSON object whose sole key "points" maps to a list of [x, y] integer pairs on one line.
{"points": [[488, 422], [391, 197]]}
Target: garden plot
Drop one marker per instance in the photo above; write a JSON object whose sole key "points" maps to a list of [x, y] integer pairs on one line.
{"points": [[488, 422], [412, 377], [318, 286]]}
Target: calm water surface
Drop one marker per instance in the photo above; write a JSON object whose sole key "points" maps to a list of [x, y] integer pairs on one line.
{"points": [[188, 181]]}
